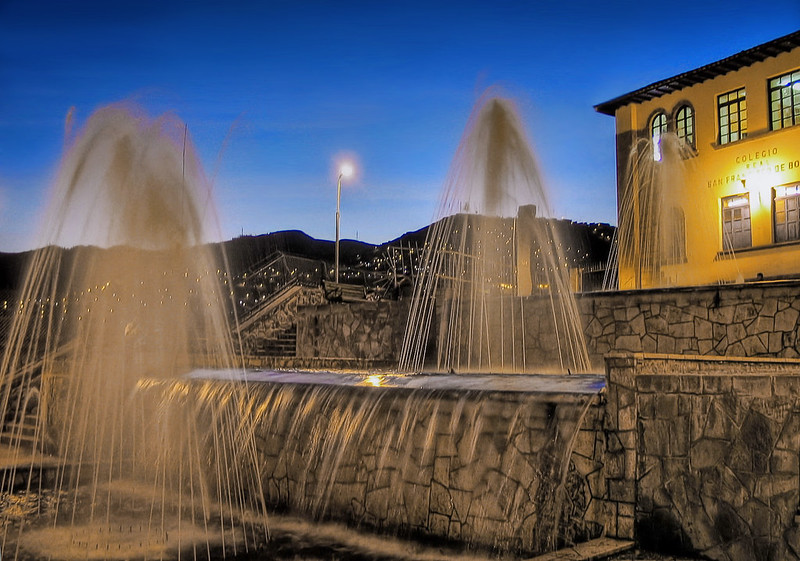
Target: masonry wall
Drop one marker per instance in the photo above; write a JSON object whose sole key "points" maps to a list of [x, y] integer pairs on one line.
{"points": [[370, 331], [476, 468], [750, 320], [709, 451]]}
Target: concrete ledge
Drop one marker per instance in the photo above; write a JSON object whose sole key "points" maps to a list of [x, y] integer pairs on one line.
{"points": [[317, 363], [588, 551], [649, 363]]}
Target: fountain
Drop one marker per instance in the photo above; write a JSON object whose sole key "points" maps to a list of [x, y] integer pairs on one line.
{"points": [[479, 461], [491, 243], [134, 431], [137, 298], [480, 452], [651, 237]]}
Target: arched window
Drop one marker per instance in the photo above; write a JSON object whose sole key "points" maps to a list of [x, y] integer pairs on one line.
{"points": [[684, 125], [657, 128]]}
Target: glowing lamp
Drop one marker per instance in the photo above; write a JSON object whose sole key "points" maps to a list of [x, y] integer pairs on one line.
{"points": [[346, 170]]}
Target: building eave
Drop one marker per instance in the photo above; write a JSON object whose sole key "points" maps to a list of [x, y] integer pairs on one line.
{"points": [[709, 71]]}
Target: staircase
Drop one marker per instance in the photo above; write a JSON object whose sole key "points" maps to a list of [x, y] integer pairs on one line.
{"points": [[284, 344], [286, 293], [21, 426], [21, 434], [23, 463]]}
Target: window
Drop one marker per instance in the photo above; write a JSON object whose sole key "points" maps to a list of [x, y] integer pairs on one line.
{"points": [[732, 113], [684, 125], [784, 100], [736, 222], [657, 128], [786, 218]]}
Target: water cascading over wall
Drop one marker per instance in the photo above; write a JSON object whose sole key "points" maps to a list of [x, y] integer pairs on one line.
{"points": [[491, 243], [481, 461], [138, 297]]}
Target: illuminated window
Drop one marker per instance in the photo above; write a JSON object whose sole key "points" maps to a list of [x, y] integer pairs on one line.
{"points": [[784, 100], [732, 112], [657, 128], [684, 125], [786, 218], [736, 222]]}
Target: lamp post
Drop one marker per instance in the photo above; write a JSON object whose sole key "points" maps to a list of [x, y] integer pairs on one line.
{"points": [[346, 170]]}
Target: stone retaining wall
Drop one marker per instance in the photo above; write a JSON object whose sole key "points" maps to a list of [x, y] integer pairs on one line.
{"points": [[463, 466], [749, 320], [708, 450], [363, 331]]}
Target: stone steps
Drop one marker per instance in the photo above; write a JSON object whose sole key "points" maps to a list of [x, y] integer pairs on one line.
{"points": [[24, 468], [20, 434], [285, 293], [284, 344]]}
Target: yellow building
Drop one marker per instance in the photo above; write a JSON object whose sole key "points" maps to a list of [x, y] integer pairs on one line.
{"points": [[708, 172]]}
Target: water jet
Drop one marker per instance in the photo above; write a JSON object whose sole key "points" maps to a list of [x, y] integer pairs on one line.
{"points": [[103, 344], [492, 243], [138, 297]]}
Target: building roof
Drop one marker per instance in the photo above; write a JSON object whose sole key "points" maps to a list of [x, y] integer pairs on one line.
{"points": [[707, 72]]}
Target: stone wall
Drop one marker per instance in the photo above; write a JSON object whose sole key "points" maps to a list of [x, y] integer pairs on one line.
{"points": [[476, 468], [708, 454], [750, 320], [363, 331], [586, 483]]}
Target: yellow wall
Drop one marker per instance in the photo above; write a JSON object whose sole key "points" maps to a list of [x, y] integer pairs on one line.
{"points": [[764, 159]]}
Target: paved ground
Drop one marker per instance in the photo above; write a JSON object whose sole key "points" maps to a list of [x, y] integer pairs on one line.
{"points": [[605, 549], [639, 555]]}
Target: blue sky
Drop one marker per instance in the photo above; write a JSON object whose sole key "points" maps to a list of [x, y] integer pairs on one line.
{"points": [[273, 91]]}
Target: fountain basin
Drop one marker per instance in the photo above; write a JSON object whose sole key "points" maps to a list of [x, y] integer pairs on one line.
{"points": [[487, 383], [498, 462]]}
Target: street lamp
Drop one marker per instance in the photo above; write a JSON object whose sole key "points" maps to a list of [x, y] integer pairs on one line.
{"points": [[345, 170]]}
